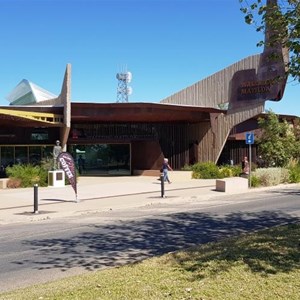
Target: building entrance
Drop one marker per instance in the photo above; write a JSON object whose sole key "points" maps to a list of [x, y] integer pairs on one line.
{"points": [[102, 159]]}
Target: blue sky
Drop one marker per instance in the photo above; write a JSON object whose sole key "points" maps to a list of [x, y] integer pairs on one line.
{"points": [[166, 44]]}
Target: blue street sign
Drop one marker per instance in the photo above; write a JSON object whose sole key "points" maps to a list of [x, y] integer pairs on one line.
{"points": [[249, 138]]}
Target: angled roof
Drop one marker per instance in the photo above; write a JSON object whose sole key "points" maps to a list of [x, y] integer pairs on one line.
{"points": [[139, 112], [51, 116], [26, 93]]}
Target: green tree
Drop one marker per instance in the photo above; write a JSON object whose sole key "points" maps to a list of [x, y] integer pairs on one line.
{"points": [[283, 19], [277, 142], [297, 136]]}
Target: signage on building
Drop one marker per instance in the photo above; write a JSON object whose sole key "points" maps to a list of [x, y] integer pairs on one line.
{"points": [[249, 90]]}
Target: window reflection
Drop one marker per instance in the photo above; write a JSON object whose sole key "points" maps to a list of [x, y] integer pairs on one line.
{"points": [[106, 159]]}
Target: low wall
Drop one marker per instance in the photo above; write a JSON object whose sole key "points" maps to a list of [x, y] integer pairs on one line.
{"points": [[232, 184], [3, 183]]}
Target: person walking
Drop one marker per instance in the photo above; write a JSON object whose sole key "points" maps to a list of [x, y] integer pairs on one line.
{"points": [[165, 169]]}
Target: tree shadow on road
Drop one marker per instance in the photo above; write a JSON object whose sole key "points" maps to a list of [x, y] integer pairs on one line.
{"points": [[287, 191], [124, 242]]}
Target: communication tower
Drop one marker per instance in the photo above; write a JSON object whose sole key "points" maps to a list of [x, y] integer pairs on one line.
{"points": [[123, 90]]}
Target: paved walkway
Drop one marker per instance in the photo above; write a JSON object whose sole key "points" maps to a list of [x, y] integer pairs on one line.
{"points": [[100, 194]]}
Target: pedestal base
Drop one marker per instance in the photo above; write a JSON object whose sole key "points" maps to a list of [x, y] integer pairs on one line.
{"points": [[56, 178]]}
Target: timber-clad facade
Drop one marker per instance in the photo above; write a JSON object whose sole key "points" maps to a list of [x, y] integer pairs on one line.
{"points": [[148, 139]]}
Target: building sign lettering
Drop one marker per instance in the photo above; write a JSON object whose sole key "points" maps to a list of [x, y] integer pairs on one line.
{"points": [[249, 90]]}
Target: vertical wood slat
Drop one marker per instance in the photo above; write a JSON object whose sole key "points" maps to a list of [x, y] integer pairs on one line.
{"points": [[210, 92], [214, 89]]}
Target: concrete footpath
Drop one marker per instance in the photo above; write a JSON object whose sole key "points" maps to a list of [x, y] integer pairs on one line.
{"points": [[95, 194]]}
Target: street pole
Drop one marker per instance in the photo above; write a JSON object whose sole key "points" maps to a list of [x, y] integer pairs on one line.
{"points": [[250, 155], [35, 196], [162, 185], [249, 141]]}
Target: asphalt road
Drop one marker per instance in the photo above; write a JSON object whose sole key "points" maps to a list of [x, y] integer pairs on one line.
{"points": [[53, 249]]}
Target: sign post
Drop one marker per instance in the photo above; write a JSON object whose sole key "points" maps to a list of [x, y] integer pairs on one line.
{"points": [[249, 141]]}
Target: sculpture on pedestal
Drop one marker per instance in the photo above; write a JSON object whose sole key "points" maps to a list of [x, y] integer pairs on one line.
{"points": [[56, 151]]}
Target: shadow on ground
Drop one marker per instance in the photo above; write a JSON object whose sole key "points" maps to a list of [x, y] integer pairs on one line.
{"points": [[130, 241]]}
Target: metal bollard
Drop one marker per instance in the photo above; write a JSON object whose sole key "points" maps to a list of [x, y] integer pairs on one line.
{"points": [[162, 185], [35, 196]]}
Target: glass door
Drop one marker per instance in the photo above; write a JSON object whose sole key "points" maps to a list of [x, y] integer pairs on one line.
{"points": [[102, 159]]}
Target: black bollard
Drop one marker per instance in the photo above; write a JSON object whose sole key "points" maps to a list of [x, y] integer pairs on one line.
{"points": [[162, 184], [35, 196]]}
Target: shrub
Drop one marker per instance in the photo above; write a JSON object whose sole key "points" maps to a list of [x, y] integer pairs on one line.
{"points": [[28, 175], [236, 170], [47, 163], [253, 166], [14, 183], [294, 174], [285, 175], [294, 170], [264, 178], [206, 170], [255, 181], [187, 167], [271, 176], [226, 171]]}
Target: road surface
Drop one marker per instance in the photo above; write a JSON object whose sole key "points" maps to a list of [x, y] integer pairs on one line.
{"points": [[52, 249]]}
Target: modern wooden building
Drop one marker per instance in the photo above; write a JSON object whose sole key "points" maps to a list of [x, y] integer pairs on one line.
{"points": [[129, 138]]}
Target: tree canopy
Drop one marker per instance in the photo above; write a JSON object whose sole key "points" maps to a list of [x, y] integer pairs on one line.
{"points": [[279, 141], [283, 19]]}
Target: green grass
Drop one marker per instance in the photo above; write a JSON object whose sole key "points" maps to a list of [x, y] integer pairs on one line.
{"points": [[262, 265]]}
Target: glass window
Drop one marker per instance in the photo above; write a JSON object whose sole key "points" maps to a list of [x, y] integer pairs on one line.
{"points": [[21, 155], [39, 136], [7, 156], [102, 159], [35, 155], [47, 152]]}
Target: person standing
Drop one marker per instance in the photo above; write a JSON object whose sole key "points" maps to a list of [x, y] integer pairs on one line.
{"points": [[245, 166], [260, 162], [80, 164], [165, 169]]}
